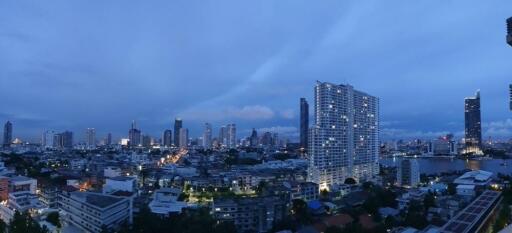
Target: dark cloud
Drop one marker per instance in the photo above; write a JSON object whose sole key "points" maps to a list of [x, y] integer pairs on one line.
{"points": [[103, 64]]}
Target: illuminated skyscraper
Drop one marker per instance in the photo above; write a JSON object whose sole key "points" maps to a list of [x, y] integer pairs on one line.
{"points": [[344, 140], [473, 124], [509, 31], [90, 138], [207, 136], [134, 135], [304, 122], [7, 140], [178, 124]]}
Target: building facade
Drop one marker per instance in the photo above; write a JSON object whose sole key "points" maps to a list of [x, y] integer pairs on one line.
{"points": [[134, 135], [178, 124], [472, 124], [509, 31], [90, 138], [183, 140], [207, 136], [304, 122], [408, 173], [344, 141], [231, 136], [7, 139]]}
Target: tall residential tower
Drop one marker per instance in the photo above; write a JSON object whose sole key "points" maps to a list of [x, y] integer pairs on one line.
{"points": [[178, 124], [344, 140], [207, 136], [7, 140]]}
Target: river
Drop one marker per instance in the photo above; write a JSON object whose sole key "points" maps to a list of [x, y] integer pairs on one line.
{"points": [[438, 165]]}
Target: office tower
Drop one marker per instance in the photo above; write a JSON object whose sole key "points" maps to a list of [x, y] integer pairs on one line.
{"points": [[253, 139], [304, 122], [183, 140], [108, 140], [207, 136], [223, 136], [63, 140], [90, 138], [509, 31], [178, 124], [47, 141], [344, 140], [134, 135], [473, 124], [167, 138], [7, 134], [231, 136], [146, 141], [408, 173]]}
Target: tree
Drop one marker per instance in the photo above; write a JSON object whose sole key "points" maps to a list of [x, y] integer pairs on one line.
{"points": [[429, 201], [452, 189], [3, 226], [333, 229], [300, 211], [22, 223], [54, 219], [350, 180]]}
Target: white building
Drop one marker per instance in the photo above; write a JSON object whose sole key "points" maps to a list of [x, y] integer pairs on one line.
{"points": [[90, 138], [112, 172], [476, 177], [120, 183], [408, 173], [90, 211], [165, 201], [207, 136], [231, 136], [344, 140]]}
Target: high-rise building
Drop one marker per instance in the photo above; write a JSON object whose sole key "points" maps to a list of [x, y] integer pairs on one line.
{"points": [[90, 138], [64, 140], [134, 135], [183, 140], [408, 173], [304, 122], [108, 139], [178, 124], [344, 140], [473, 124], [207, 136], [231, 136], [47, 141], [146, 141], [7, 134], [223, 135], [509, 31], [253, 139], [167, 138]]}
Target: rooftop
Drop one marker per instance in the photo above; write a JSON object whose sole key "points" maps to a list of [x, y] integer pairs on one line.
{"points": [[97, 199]]}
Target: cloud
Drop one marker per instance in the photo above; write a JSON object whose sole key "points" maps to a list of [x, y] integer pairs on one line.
{"points": [[287, 114], [498, 128], [248, 112]]}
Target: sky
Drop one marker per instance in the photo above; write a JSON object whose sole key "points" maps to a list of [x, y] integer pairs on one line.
{"points": [[71, 65]]}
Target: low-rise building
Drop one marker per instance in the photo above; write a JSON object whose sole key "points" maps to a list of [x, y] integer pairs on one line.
{"points": [[165, 201], [91, 211], [306, 191]]}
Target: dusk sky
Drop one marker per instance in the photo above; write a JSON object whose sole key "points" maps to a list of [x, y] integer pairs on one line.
{"points": [[70, 65]]}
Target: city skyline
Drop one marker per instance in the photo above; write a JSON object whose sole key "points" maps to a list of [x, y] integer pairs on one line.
{"points": [[122, 77]]}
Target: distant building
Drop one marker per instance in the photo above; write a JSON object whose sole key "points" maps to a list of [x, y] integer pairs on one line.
{"points": [[47, 141], [223, 136], [90, 138], [344, 141], [442, 146], [64, 140], [304, 122], [207, 136], [91, 212], [253, 139], [165, 202], [134, 135], [120, 183], [408, 173], [183, 142], [178, 124], [476, 177], [146, 141], [108, 140], [231, 136], [7, 140], [167, 138], [473, 125], [509, 31]]}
